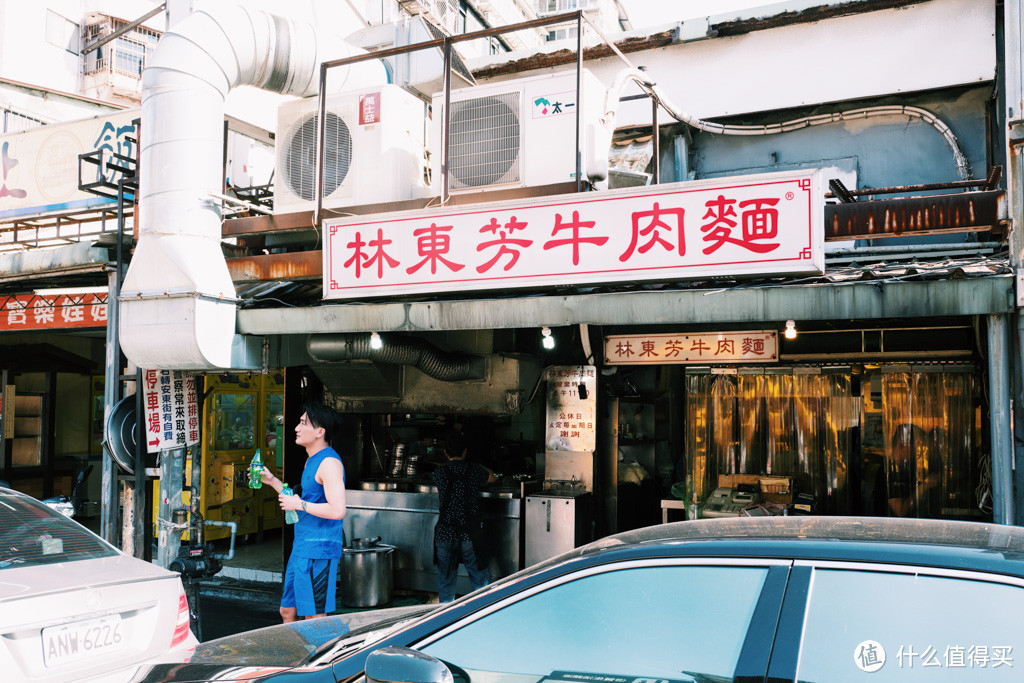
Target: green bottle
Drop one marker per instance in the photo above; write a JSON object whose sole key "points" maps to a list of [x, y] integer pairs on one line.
{"points": [[255, 469], [290, 516]]}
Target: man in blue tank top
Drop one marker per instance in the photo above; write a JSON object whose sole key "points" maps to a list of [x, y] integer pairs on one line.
{"points": [[310, 580]]}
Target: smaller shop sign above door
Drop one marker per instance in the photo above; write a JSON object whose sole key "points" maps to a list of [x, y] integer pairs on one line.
{"points": [[758, 346]]}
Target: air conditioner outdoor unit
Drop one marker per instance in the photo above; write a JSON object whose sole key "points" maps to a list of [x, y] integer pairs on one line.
{"points": [[376, 152], [521, 133]]}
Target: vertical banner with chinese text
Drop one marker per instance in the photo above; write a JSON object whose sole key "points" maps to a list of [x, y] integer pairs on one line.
{"points": [[172, 409]]}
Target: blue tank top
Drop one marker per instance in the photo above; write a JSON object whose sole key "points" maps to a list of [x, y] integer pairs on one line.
{"points": [[316, 537]]}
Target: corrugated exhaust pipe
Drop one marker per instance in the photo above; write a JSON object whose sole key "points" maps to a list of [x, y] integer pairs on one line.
{"points": [[178, 301], [421, 354]]}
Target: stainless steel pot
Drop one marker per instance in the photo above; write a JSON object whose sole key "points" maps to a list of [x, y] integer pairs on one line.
{"points": [[367, 575], [364, 543], [371, 485], [499, 493]]}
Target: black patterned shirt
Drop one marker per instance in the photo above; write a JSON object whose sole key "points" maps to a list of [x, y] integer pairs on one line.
{"points": [[458, 488]]}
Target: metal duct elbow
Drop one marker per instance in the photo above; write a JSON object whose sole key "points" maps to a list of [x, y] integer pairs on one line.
{"points": [[178, 301], [421, 354]]}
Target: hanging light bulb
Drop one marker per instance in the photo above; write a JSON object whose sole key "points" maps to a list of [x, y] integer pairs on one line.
{"points": [[790, 329], [547, 340], [376, 343]]}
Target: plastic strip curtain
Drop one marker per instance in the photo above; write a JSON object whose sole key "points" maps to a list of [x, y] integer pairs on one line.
{"points": [[928, 422], [788, 425]]}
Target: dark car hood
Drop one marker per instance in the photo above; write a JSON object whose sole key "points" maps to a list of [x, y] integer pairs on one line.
{"points": [[255, 654]]}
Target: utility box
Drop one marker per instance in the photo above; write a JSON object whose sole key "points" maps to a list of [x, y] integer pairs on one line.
{"points": [[556, 523]]}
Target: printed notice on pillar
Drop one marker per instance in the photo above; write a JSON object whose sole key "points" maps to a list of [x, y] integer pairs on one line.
{"points": [[571, 408], [172, 410]]}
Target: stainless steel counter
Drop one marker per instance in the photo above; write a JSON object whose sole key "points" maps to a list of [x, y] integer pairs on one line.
{"points": [[406, 520]]}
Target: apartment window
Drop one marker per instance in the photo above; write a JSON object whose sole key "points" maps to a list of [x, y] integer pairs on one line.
{"points": [[61, 32], [129, 56], [125, 55]]}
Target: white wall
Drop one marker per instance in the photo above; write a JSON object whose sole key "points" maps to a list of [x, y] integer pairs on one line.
{"points": [[918, 47], [25, 54]]}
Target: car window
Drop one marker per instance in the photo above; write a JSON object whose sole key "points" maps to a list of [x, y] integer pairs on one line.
{"points": [[33, 534], [665, 622], [883, 626]]}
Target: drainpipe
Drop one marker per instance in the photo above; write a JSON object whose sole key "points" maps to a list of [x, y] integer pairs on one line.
{"points": [[1012, 69], [1001, 422], [178, 302]]}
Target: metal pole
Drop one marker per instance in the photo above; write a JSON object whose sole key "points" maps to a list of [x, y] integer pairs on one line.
{"points": [[321, 137], [172, 474], [109, 502], [1000, 423], [445, 151], [140, 485], [579, 100], [1012, 68], [655, 140]]}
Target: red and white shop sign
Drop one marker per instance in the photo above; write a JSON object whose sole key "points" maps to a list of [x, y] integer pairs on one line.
{"points": [[703, 347], [172, 411], [34, 312], [742, 225], [369, 109]]}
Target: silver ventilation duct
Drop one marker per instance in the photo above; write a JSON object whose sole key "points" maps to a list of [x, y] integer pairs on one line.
{"points": [[418, 353], [178, 302]]}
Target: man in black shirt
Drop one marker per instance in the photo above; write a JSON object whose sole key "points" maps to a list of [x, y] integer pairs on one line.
{"points": [[459, 519]]}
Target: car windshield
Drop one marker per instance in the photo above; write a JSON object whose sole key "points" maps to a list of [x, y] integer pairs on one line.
{"points": [[32, 534]]}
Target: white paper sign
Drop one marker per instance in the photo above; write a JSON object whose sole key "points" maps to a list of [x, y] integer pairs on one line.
{"points": [[741, 225]]}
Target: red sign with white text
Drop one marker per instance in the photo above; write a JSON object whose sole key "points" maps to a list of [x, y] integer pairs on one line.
{"points": [[741, 225], [35, 312], [369, 109]]}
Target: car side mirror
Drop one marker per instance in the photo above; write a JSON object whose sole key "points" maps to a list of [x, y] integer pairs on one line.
{"points": [[403, 665]]}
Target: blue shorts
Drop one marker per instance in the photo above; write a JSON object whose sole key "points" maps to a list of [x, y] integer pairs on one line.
{"points": [[310, 585]]}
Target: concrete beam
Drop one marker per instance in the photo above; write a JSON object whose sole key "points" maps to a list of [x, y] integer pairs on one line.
{"points": [[861, 300]]}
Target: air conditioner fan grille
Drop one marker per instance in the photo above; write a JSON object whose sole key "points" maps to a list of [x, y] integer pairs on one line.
{"points": [[300, 158], [484, 141]]}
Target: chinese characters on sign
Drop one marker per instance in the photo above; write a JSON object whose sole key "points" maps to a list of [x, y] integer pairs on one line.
{"points": [[570, 412], [39, 168], [33, 312], [545, 106], [369, 109], [750, 225], [706, 347], [172, 411]]}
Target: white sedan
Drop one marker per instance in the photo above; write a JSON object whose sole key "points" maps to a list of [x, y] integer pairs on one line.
{"points": [[75, 608]]}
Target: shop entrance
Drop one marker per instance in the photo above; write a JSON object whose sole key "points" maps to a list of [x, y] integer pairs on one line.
{"points": [[887, 440]]}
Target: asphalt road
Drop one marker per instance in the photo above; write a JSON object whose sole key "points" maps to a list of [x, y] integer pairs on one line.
{"points": [[223, 613]]}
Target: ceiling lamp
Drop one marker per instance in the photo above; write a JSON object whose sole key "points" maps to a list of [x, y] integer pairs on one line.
{"points": [[547, 340], [376, 343], [790, 329]]}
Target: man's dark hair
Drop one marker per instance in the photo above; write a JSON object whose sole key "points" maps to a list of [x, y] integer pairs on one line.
{"points": [[454, 444], [321, 416]]}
